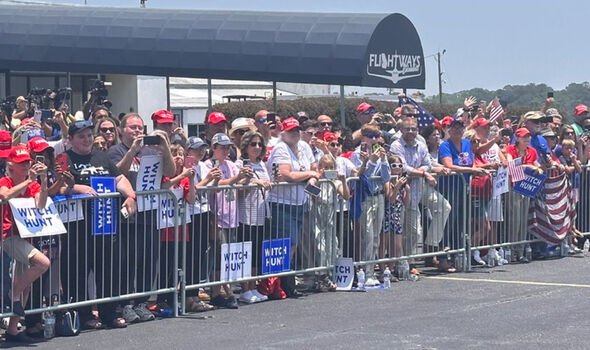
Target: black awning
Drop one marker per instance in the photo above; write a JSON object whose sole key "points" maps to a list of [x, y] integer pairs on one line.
{"points": [[342, 49]]}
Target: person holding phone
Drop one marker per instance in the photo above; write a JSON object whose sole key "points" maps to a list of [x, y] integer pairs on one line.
{"points": [[373, 168], [292, 161], [21, 182], [141, 239], [253, 206], [226, 209]]}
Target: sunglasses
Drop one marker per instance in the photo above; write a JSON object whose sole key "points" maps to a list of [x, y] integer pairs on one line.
{"points": [[105, 130], [326, 123], [396, 165], [256, 144], [334, 144], [241, 131], [372, 135]]}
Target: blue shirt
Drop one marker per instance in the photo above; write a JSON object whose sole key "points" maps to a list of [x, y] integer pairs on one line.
{"points": [[380, 168], [539, 143], [463, 157]]}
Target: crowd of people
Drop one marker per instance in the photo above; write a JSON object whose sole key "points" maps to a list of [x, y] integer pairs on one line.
{"points": [[395, 187]]}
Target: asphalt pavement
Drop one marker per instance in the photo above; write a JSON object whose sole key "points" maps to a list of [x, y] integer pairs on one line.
{"points": [[541, 305]]}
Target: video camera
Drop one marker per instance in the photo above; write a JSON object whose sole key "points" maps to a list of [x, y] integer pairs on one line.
{"points": [[100, 93], [8, 105]]}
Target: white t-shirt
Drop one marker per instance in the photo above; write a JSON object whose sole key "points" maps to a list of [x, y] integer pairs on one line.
{"points": [[252, 203], [301, 160]]}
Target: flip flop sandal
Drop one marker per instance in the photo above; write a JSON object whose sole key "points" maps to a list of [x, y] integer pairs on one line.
{"points": [[93, 324], [119, 323]]}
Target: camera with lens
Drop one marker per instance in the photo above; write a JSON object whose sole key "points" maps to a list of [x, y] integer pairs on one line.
{"points": [[8, 105], [99, 92]]}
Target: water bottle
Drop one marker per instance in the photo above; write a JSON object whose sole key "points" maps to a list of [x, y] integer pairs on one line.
{"points": [[528, 252], [565, 248], [405, 271], [459, 262], [491, 258], [387, 278], [586, 247], [48, 322], [502, 255], [360, 276], [508, 255]]}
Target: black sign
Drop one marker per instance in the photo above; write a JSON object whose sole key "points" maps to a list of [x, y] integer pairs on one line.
{"points": [[394, 57]]}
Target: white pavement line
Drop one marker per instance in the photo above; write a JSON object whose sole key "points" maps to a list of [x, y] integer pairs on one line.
{"points": [[528, 283]]}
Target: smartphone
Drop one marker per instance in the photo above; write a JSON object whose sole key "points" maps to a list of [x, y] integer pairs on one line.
{"points": [[246, 162], [190, 162], [124, 213], [271, 117], [40, 159], [364, 147], [376, 146], [62, 161], [550, 94], [46, 114], [404, 174], [275, 170], [214, 163], [312, 190], [331, 174], [152, 140]]}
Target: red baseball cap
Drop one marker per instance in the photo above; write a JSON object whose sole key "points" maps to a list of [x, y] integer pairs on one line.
{"points": [[330, 136], [481, 123], [290, 124], [163, 117], [364, 107], [19, 154], [216, 118], [38, 144], [446, 121], [581, 109], [5, 143], [522, 132]]}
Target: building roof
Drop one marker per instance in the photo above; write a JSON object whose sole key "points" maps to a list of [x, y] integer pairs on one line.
{"points": [[381, 50]]}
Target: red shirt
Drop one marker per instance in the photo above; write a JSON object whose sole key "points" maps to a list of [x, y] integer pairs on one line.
{"points": [[167, 234], [530, 155], [30, 192]]}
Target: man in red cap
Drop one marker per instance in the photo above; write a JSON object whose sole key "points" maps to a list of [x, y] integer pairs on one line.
{"points": [[216, 123], [21, 181], [580, 114], [165, 120]]}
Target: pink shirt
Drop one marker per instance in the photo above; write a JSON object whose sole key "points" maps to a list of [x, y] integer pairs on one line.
{"points": [[226, 201]]}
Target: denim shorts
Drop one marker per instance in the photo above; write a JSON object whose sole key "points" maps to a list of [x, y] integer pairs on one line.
{"points": [[286, 221]]}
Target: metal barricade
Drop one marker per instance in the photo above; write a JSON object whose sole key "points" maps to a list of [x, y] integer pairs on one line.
{"points": [[421, 221], [242, 234], [103, 259]]}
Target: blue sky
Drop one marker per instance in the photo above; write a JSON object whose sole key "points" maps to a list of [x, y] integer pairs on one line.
{"points": [[488, 44]]}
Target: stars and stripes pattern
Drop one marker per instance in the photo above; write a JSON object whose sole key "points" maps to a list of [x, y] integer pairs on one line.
{"points": [[552, 212], [424, 117], [516, 170], [496, 111]]}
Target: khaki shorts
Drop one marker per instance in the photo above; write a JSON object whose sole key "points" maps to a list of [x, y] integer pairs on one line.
{"points": [[20, 250]]}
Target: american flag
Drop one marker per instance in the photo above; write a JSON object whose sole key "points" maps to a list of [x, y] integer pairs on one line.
{"points": [[497, 111], [552, 213], [515, 170], [424, 117]]}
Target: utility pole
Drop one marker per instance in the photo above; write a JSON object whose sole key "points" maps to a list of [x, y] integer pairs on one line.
{"points": [[440, 73]]}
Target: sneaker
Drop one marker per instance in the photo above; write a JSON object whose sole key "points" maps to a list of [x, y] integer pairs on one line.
{"points": [[248, 297], [478, 258], [259, 295], [129, 315], [144, 314]]}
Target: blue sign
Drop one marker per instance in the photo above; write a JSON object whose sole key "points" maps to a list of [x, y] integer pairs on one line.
{"points": [[532, 183], [276, 255], [104, 214]]}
